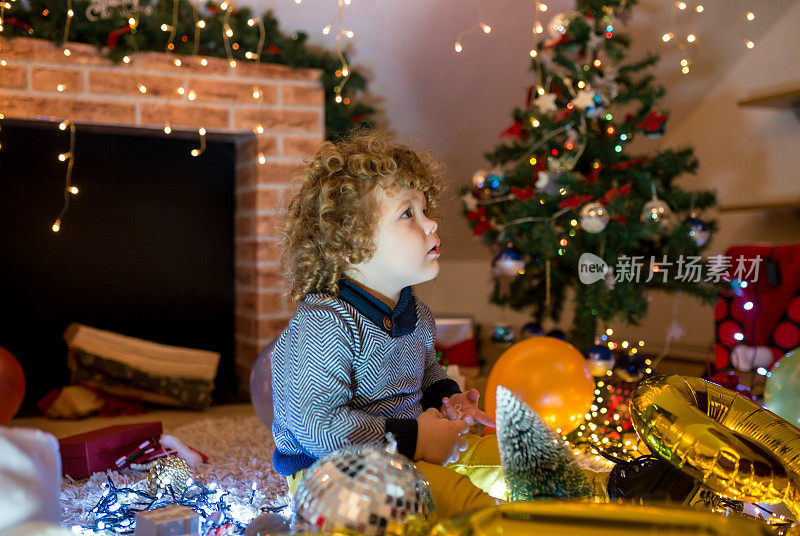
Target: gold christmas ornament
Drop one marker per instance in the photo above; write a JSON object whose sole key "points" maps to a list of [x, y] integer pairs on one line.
{"points": [[728, 443], [169, 471]]}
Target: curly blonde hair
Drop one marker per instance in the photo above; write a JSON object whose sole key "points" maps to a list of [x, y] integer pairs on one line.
{"points": [[331, 220]]}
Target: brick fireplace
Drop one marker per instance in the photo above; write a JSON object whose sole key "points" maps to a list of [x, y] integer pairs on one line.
{"points": [[285, 118]]}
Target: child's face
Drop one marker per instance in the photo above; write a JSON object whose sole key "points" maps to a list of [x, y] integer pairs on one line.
{"points": [[406, 244]]}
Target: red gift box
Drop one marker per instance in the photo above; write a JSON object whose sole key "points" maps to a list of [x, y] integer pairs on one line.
{"points": [[84, 454]]}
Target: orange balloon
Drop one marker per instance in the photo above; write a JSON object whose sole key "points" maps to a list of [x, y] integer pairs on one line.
{"points": [[549, 375], [12, 385]]}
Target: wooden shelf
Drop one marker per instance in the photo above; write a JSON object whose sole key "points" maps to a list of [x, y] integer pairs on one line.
{"points": [[763, 206], [787, 96]]}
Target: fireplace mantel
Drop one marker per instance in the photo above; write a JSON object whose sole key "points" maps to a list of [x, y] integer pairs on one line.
{"points": [[281, 107]]}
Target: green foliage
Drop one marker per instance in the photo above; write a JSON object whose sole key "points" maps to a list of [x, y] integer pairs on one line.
{"points": [[585, 156], [45, 19]]}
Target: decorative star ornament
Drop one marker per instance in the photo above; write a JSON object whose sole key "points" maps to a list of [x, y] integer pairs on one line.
{"points": [[546, 103], [470, 203], [584, 98], [543, 180]]}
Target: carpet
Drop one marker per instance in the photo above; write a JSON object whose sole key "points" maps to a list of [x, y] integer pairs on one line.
{"points": [[240, 453]]}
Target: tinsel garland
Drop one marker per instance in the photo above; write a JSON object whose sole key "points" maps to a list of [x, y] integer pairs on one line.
{"points": [[115, 38]]}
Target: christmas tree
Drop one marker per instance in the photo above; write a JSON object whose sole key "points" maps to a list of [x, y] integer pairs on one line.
{"points": [[564, 184], [536, 462]]}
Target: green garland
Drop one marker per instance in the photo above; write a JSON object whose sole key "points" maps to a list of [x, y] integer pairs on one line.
{"points": [[45, 19]]}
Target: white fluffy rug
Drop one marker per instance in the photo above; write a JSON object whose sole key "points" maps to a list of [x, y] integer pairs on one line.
{"points": [[240, 453]]}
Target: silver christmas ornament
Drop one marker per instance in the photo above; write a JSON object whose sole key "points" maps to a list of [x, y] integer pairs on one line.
{"points": [[594, 217], [698, 231], [365, 489], [510, 262], [656, 210]]}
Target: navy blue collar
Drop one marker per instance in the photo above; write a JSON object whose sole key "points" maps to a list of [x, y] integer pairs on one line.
{"points": [[401, 321]]}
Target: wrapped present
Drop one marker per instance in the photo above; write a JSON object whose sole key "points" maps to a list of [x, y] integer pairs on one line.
{"points": [[455, 338], [99, 450], [171, 520]]}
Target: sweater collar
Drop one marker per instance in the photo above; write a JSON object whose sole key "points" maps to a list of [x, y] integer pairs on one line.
{"points": [[398, 322]]}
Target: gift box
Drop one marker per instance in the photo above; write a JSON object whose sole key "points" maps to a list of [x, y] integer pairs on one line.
{"points": [[455, 338], [84, 454], [171, 520]]}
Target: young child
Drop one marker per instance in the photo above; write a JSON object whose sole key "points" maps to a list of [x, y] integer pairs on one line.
{"points": [[357, 359]]}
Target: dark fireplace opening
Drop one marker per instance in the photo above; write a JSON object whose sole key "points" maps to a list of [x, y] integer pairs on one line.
{"points": [[146, 248]]}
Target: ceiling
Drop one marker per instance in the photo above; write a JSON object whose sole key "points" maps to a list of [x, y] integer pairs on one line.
{"points": [[456, 104]]}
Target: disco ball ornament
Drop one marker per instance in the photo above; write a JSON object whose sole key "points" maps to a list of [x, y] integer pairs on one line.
{"points": [[532, 329], [479, 189], [594, 218], [502, 333], [496, 183], [698, 231], [600, 359], [656, 210], [510, 262], [365, 489], [167, 472]]}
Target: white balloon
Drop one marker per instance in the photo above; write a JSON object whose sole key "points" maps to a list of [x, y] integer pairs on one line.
{"points": [[261, 385]]}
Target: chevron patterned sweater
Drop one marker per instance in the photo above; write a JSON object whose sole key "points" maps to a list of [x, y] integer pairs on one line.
{"points": [[347, 370]]}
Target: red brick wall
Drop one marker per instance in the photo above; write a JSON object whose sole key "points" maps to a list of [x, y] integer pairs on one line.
{"points": [[290, 111]]}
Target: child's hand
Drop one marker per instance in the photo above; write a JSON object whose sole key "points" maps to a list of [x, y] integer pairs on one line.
{"points": [[438, 439], [465, 406]]}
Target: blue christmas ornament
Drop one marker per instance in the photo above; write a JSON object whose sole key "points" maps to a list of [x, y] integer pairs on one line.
{"points": [[698, 231], [630, 368], [597, 108], [495, 183], [510, 262], [600, 358], [557, 334], [532, 329], [502, 333]]}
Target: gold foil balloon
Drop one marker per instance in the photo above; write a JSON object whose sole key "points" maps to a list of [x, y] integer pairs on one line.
{"points": [[565, 518], [782, 392], [364, 489], [169, 471], [725, 441], [549, 375]]}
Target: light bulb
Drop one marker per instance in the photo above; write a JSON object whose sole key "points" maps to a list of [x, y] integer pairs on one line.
{"points": [[250, 22], [73, 190], [751, 16], [63, 125], [259, 129], [201, 24], [191, 95], [61, 87], [67, 52], [458, 47], [699, 8], [167, 129], [534, 53], [486, 28], [691, 38], [195, 152], [57, 226], [202, 131], [262, 159], [204, 62], [749, 44], [126, 59]]}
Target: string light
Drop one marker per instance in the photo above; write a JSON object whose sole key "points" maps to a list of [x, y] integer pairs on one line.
{"points": [[339, 21], [167, 129], [262, 159], [201, 150], [480, 25], [699, 8], [69, 158]]}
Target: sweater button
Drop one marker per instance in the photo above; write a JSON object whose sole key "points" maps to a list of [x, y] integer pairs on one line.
{"points": [[387, 323]]}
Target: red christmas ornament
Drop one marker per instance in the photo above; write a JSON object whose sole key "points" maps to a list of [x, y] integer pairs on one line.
{"points": [[12, 385], [522, 195], [653, 121], [514, 130], [575, 201]]}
